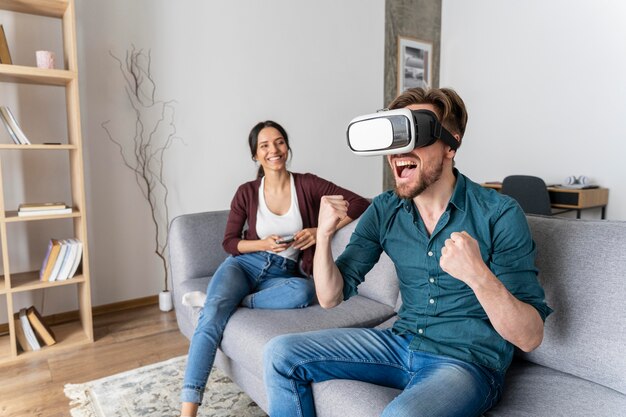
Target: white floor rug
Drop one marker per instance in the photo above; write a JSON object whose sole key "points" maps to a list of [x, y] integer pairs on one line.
{"points": [[153, 391]]}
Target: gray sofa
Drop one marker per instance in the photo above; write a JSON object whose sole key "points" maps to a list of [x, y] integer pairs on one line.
{"points": [[579, 370]]}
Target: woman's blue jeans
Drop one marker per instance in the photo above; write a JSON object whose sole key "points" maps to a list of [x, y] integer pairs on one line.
{"points": [[432, 385], [254, 280]]}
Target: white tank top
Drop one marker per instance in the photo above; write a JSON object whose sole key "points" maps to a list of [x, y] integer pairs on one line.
{"points": [[290, 223]]}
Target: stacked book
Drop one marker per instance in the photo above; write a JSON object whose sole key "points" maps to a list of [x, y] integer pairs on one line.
{"points": [[31, 331], [42, 209], [62, 259]]}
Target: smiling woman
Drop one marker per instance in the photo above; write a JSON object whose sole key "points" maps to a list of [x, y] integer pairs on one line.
{"points": [[266, 135], [271, 262]]}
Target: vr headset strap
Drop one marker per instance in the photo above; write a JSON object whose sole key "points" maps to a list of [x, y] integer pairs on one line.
{"points": [[442, 133]]}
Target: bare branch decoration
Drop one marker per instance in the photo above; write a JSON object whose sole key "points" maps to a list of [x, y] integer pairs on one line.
{"points": [[144, 151]]}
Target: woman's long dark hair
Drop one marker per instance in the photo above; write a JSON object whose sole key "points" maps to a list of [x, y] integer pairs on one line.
{"points": [[253, 139]]}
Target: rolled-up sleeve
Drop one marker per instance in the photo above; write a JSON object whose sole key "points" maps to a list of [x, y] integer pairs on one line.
{"points": [[361, 253], [513, 258]]}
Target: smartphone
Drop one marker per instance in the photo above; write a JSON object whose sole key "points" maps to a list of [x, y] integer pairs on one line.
{"points": [[285, 239]]}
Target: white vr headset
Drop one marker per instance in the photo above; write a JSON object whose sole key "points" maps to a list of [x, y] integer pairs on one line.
{"points": [[396, 131]]}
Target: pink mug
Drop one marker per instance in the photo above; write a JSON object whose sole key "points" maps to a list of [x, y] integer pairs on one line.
{"points": [[45, 59]]}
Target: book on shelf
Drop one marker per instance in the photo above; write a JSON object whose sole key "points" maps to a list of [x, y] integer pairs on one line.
{"points": [[5, 55], [59, 261], [47, 212], [41, 206], [62, 259], [15, 127], [42, 330], [20, 335], [65, 261], [68, 260], [77, 258], [6, 123], [30, 342], [72, 259], [54, 247]]}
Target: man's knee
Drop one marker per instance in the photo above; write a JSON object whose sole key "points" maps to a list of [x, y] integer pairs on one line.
{"points": [[278, 353], [443, 390]]}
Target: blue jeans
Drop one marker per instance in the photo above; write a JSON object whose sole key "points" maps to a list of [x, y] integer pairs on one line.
{"points": [[255, 280], [432, 385]]}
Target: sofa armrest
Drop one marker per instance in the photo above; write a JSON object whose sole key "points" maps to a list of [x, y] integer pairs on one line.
{"points": [[195, 246]]}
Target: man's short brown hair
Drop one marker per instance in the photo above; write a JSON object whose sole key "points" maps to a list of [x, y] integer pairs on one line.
{"points": [[449, 105]]}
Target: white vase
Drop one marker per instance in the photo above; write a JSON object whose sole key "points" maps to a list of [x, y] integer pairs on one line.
{"points": [[165, 301]]}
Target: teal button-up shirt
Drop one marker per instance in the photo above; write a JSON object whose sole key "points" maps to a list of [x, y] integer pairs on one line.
{"points": [[441, 311]]}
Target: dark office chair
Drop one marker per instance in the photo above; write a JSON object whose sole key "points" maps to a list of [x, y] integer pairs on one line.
{"points": [[530, 192]]}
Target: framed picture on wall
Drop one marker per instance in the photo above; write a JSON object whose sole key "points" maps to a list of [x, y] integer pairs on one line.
{"points": [[414, 63]]}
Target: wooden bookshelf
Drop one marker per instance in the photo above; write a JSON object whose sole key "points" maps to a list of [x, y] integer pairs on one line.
{"points": [[31, 75], [50, 8], [5, 349], [12, 217], [29, 281], [37, 147], [13, 283]]}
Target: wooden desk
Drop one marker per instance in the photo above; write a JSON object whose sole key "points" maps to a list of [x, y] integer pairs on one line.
{"points": [[571, 198]]}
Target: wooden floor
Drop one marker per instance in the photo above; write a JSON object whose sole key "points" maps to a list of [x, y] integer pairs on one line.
{"points": [[124, 340]]}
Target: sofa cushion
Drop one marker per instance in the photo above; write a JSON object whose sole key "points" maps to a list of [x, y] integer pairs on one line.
{"points": [[256, 327], [196, 244], [381, 283], [340, 398], [195, 250], [582, 265], [186, 316], [530, 390], [534, 390], [388, 323]]}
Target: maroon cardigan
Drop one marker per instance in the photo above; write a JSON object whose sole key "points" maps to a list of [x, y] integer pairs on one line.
{"points": [[309, 189]]}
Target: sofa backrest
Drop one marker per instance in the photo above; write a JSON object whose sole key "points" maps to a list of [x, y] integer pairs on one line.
{"points": [[195, 251], [582, 267], [195, 244], [381, 283]]}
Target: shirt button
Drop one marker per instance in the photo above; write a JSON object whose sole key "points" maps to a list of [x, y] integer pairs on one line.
{"points": [[420, 331], [431, 301], [430, 253], [431, 280]]}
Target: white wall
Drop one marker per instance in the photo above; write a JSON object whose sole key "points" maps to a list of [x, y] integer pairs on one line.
{"points": [[544, 85], [311, 66]]}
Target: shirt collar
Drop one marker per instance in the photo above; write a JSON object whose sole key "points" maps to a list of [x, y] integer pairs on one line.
{"points": [[457, 199], [458, 195]]}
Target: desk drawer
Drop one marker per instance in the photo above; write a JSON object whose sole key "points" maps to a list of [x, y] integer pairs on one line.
{"points": [[578, 199], [561, 198]]}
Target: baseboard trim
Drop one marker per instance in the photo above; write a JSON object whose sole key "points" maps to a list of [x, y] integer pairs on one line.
{"points": [[69, 316]]}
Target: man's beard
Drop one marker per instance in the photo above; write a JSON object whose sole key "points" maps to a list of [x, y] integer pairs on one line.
{"points": [[425, 180]]}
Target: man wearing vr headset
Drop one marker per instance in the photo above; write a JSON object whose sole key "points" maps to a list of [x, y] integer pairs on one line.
{"points": [[464, 258]]}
